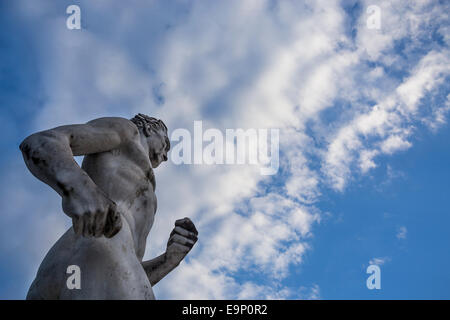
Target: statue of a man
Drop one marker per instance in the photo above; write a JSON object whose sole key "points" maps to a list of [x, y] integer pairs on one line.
{"points": [[111, 200]]}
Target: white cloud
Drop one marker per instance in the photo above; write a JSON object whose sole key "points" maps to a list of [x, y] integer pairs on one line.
{"points": [[394, 143], [366, 160], [402, 232], [379, 261], [311, 293], [389, 121]]}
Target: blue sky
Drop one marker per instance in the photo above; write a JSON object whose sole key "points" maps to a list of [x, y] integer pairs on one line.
{"points": [[363, 120], [368, 219]]}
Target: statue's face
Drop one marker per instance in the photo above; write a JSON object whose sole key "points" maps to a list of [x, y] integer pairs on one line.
{"points": [[157, 147]]}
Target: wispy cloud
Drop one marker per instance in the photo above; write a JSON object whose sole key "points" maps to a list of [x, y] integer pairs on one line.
{"points": [[402, 232], [312, 293], [379, 261]]}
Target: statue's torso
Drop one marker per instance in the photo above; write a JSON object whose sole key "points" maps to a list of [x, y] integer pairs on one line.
{"points": [[126, 176], [110, 268]]}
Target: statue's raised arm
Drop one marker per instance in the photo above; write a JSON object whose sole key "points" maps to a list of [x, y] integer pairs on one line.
{"points": [[49, 156]]}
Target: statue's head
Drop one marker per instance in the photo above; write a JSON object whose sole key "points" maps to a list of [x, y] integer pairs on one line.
{"points": [[155, 132]]}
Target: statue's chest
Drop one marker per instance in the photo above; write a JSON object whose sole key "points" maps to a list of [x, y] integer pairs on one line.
{"points": [[130, 183]]}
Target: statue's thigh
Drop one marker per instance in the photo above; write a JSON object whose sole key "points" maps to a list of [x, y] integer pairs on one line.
{"points": [[107, 272]]}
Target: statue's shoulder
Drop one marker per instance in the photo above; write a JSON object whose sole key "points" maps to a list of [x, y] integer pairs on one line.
{"points": [[124, 127]]}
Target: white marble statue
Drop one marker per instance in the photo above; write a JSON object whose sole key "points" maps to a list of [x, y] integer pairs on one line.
{"points": [[111, 201]]}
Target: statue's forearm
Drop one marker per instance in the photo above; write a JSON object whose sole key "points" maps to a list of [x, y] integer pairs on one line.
{"points": [[181, 240], [158, 268]]}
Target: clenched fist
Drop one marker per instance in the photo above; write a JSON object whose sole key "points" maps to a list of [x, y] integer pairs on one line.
{"points": [[182, 239]]}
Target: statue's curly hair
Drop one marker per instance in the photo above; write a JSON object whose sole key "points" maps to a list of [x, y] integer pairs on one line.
{"points": [[150, 125]]}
